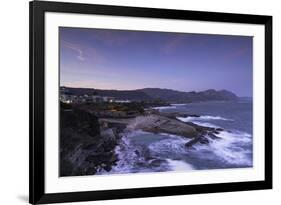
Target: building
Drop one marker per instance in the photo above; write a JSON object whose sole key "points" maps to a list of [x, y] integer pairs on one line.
{"points": [[67, 97], [108, 99]]}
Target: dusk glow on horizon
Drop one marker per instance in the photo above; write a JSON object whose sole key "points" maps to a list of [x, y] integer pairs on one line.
{"points": [[127, 60]]}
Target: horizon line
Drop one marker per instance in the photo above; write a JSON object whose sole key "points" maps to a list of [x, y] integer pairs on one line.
{"points": [[154, 88]]}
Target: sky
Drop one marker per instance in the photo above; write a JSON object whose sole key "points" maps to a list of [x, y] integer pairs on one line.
{"points": [[127, 60]]}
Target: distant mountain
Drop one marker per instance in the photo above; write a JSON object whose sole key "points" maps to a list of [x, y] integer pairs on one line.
{"points": [[179, 96], [167, 95]]}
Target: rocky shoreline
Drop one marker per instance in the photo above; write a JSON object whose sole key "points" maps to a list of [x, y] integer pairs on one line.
{"points": [[158, 123], [88, 142]]}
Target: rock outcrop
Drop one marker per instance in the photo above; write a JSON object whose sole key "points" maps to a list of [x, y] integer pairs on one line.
{"points": [[85, 148], [161, 124]]}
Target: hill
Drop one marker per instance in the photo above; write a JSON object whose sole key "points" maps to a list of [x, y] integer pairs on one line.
{"points": [[167, 95]]}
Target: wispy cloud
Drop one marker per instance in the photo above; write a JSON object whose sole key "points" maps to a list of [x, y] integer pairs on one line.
{"points": [[85, 52], [80, 54]]}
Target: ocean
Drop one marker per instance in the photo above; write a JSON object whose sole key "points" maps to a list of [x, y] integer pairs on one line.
{"points": [[140, 151]]}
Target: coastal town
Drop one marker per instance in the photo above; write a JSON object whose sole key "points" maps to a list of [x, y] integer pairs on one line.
{"points": [[67, 97]]}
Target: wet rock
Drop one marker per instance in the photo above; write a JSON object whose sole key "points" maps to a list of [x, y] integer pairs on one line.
{"points": [[157, 162], [118, 127], [192, 142], [203, 140], [199, 139], [161, 124], [192, 115], [141, 164], [213, 136], [137, 152], [107, 134]]}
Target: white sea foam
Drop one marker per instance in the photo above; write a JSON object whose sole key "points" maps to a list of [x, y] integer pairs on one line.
{"points": [[172, 106], [177, 165], [195, 121], [173, 145], [169, 153], [178, 104], [203, 118], [205, 124], [229, 148], [164, 107]]}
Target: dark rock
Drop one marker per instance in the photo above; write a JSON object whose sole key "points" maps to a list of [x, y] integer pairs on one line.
{"points": [[157, 162], [192, 115], [203, 140], [80, 121], [99, 158], [119, 127], [192, 142], [137, 152], [213, 136], [84, 148], [107, 168], [203, 132], [141, 164], [90, 147]]}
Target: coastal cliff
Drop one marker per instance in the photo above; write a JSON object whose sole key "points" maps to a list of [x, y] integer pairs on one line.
{"points": [[88, 142], [85, 149]]}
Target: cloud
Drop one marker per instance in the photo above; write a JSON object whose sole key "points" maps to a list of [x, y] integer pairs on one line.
{"points": [[80, 54], [85, 52]]}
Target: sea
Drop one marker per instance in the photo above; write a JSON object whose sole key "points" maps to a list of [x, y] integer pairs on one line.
{"points": [[140, 151]]}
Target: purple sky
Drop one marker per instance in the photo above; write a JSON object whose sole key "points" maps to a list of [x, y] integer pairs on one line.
{"points": [[126, 60]]}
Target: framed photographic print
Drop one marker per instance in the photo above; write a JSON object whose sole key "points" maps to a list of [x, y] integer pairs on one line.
{"points": [[140, 102]]}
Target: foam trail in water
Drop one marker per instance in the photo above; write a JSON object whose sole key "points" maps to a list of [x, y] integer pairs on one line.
{"points": [[203, 118], [164, 107], [190, 119], [205, 124]]}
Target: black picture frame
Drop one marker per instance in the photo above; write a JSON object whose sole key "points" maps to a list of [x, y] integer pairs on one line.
{"points": [[37, 194]]}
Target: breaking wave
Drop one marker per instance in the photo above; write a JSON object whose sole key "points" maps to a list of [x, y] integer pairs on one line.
{"points": [[231, 148], [203, 118], [140, 152]]}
